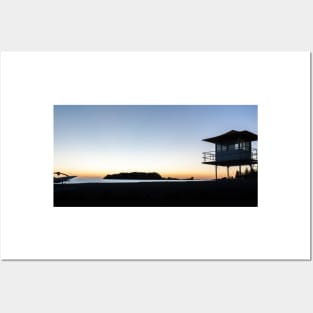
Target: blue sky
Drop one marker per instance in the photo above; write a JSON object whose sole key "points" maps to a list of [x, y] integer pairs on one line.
{"points": [[93, 140]]}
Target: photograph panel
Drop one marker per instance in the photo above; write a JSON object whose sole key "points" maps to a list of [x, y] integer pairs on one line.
{"points": [[153, 155]]}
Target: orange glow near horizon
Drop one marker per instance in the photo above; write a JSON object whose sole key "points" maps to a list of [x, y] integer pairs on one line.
{"points": [[208, 172]]}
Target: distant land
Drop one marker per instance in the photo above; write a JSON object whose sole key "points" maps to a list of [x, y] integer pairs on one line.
{"points": [[141, 176]]}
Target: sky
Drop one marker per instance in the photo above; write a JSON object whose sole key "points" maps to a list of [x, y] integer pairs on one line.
{"points": [[96, 140]]}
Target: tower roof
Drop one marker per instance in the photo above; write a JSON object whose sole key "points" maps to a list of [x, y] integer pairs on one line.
{"points": [[232, 136]]}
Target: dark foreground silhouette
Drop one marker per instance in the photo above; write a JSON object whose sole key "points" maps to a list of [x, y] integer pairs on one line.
{"points": [[134, 175], [140, 176], [192, 193], [61, 177]]}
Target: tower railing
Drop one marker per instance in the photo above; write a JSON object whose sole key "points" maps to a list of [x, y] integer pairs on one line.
{"points": [[254, 154], [211, 155], [208, 156]]}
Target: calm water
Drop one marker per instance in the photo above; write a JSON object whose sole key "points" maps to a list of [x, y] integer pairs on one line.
{"points": [[79, 180]]}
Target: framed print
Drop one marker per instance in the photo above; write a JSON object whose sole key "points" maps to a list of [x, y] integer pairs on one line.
{"points": [[155, 156]]}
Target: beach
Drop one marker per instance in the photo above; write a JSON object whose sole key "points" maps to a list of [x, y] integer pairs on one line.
{"points": [[234, 192]]}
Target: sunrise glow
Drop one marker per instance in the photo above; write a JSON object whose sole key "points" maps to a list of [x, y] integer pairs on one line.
{"points": [[93, 141]]}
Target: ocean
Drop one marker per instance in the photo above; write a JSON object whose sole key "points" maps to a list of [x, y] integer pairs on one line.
{"points": [[78, 180]]}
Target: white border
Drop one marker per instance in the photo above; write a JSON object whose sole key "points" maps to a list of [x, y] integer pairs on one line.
{"points": [[278, 82]]}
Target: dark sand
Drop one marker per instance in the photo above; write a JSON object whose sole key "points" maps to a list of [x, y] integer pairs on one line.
{"points": [[192, 193]]}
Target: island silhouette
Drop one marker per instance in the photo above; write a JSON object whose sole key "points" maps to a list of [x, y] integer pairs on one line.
{"points": [[141, 176]]}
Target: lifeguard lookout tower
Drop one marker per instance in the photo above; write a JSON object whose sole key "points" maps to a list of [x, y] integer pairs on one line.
{"points": [[233, 148]]}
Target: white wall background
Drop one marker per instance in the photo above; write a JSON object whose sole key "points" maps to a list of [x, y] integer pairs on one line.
{"points": [[156, 286]]}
